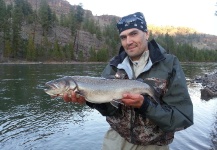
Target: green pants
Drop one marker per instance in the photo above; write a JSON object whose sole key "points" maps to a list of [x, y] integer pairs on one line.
{"points": [[113, 141]]}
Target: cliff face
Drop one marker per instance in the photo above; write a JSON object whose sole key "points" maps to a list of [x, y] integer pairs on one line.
{"points": [[84, 40], [59, 6], [105, 19]]}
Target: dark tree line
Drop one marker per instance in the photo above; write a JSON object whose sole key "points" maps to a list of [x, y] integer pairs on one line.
{"points": [[185, 51], [13, 44], [20, 13]]}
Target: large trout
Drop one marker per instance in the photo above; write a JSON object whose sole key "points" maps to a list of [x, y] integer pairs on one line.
{"points": [[97, 89]]}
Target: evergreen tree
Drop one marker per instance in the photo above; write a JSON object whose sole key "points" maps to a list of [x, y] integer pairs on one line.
{"points": [[79, 12], [66, 52], [57, 54], [7, 32], [93, 55], [112, 38], [31, 51], [16, 30], [2, 24], [70, 51], [46, 48], [2, 14], [102, 55], [99, 34], [25, 7], [79, 15], [45, 16], [80, 56], [72, 21], [8, 49], [89, 25]]}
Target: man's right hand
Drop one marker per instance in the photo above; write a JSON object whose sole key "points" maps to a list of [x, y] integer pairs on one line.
{"points": [[73, 97]]}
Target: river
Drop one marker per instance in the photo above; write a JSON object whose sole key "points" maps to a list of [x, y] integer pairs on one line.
{"points": [[31, 120]]}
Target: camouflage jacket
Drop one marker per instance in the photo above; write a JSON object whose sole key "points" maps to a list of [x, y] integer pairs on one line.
{"points": [[152, 124]]}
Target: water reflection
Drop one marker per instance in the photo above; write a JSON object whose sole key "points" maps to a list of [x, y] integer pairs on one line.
{"points": [[30, 119], [27, 113], [198, 69], [213, 134]]}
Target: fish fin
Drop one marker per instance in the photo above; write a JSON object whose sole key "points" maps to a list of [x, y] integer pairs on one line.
{"points": [[116, 102], [155, 99], [155, 96]]}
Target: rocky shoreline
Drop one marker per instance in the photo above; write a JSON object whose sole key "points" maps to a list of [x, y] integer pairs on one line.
{"points": [[209, 83]]}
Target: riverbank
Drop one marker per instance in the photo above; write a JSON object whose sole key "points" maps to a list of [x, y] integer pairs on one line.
{"points": [[22, 61], [46, 62]]}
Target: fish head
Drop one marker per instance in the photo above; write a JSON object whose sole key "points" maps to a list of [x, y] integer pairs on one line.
{"points": [[59, 86]]}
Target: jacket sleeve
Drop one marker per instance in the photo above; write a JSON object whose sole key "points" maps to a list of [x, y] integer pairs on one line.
{"points": [[176, 111], [106, 109]]}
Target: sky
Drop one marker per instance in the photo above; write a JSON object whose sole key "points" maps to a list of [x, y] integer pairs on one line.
{"points": [[197, 14]]}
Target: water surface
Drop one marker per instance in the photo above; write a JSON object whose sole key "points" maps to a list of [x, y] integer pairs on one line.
{"points": [[31, 120]]}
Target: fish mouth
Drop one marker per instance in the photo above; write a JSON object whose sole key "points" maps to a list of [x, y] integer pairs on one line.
{"points": [[50, 87]]}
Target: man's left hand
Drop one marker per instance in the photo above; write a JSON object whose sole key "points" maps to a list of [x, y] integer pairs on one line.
{"points": [[133, 100]]}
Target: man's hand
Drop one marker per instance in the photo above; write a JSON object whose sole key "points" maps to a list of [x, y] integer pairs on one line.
{"points": [[73, 97], [134, 100]]}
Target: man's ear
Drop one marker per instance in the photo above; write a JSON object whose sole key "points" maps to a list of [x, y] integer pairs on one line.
{"points": [[147, 35]]}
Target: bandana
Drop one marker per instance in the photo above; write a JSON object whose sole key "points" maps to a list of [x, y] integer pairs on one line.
{"points": [[136, 20]]}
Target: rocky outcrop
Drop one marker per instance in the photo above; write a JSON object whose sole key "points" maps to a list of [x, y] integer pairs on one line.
{"points": [[104, 20], [209, 83], [58, 6]]}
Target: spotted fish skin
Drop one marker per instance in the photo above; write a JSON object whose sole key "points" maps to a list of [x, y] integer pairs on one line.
{"points": [[97, 89]]}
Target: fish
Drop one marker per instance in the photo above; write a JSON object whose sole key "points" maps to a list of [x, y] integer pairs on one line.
{"points": [[98, 89]]}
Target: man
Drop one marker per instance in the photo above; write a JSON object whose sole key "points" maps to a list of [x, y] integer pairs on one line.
{"points": [[141, 124]]}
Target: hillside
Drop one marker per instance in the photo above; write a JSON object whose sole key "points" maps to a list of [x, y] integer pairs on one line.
{"points": [[85, 41], [188, 35]]}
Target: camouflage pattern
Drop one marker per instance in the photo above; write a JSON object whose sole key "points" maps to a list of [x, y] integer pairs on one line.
{"points": [[137, 129]]}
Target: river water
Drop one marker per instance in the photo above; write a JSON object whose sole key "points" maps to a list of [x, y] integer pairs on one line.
{"points": [[31, 120]]}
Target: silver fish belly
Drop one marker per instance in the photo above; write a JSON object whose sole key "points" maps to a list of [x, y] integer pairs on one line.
{"points": [[96, 89]]}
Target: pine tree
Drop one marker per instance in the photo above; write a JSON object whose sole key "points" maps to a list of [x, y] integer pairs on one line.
{"points": [[93, 55], [79, 15], [2, 24], [45, 16], [31, 51], [2, 14], [102, 55], [57, 53], [7, 32], [8, 49], [81, 56], [46, 47], [72, 21], [16, 29]]}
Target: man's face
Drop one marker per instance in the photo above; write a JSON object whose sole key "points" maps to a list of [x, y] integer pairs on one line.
{"points": [[134, 42]]}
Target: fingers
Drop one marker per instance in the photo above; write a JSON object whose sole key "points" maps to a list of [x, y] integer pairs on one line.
{"points": [[80, 100], [73, 97], [133, 100], [66, 97]]}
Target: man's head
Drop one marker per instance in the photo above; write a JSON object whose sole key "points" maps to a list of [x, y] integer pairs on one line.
{"points": [[133, 34]]}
